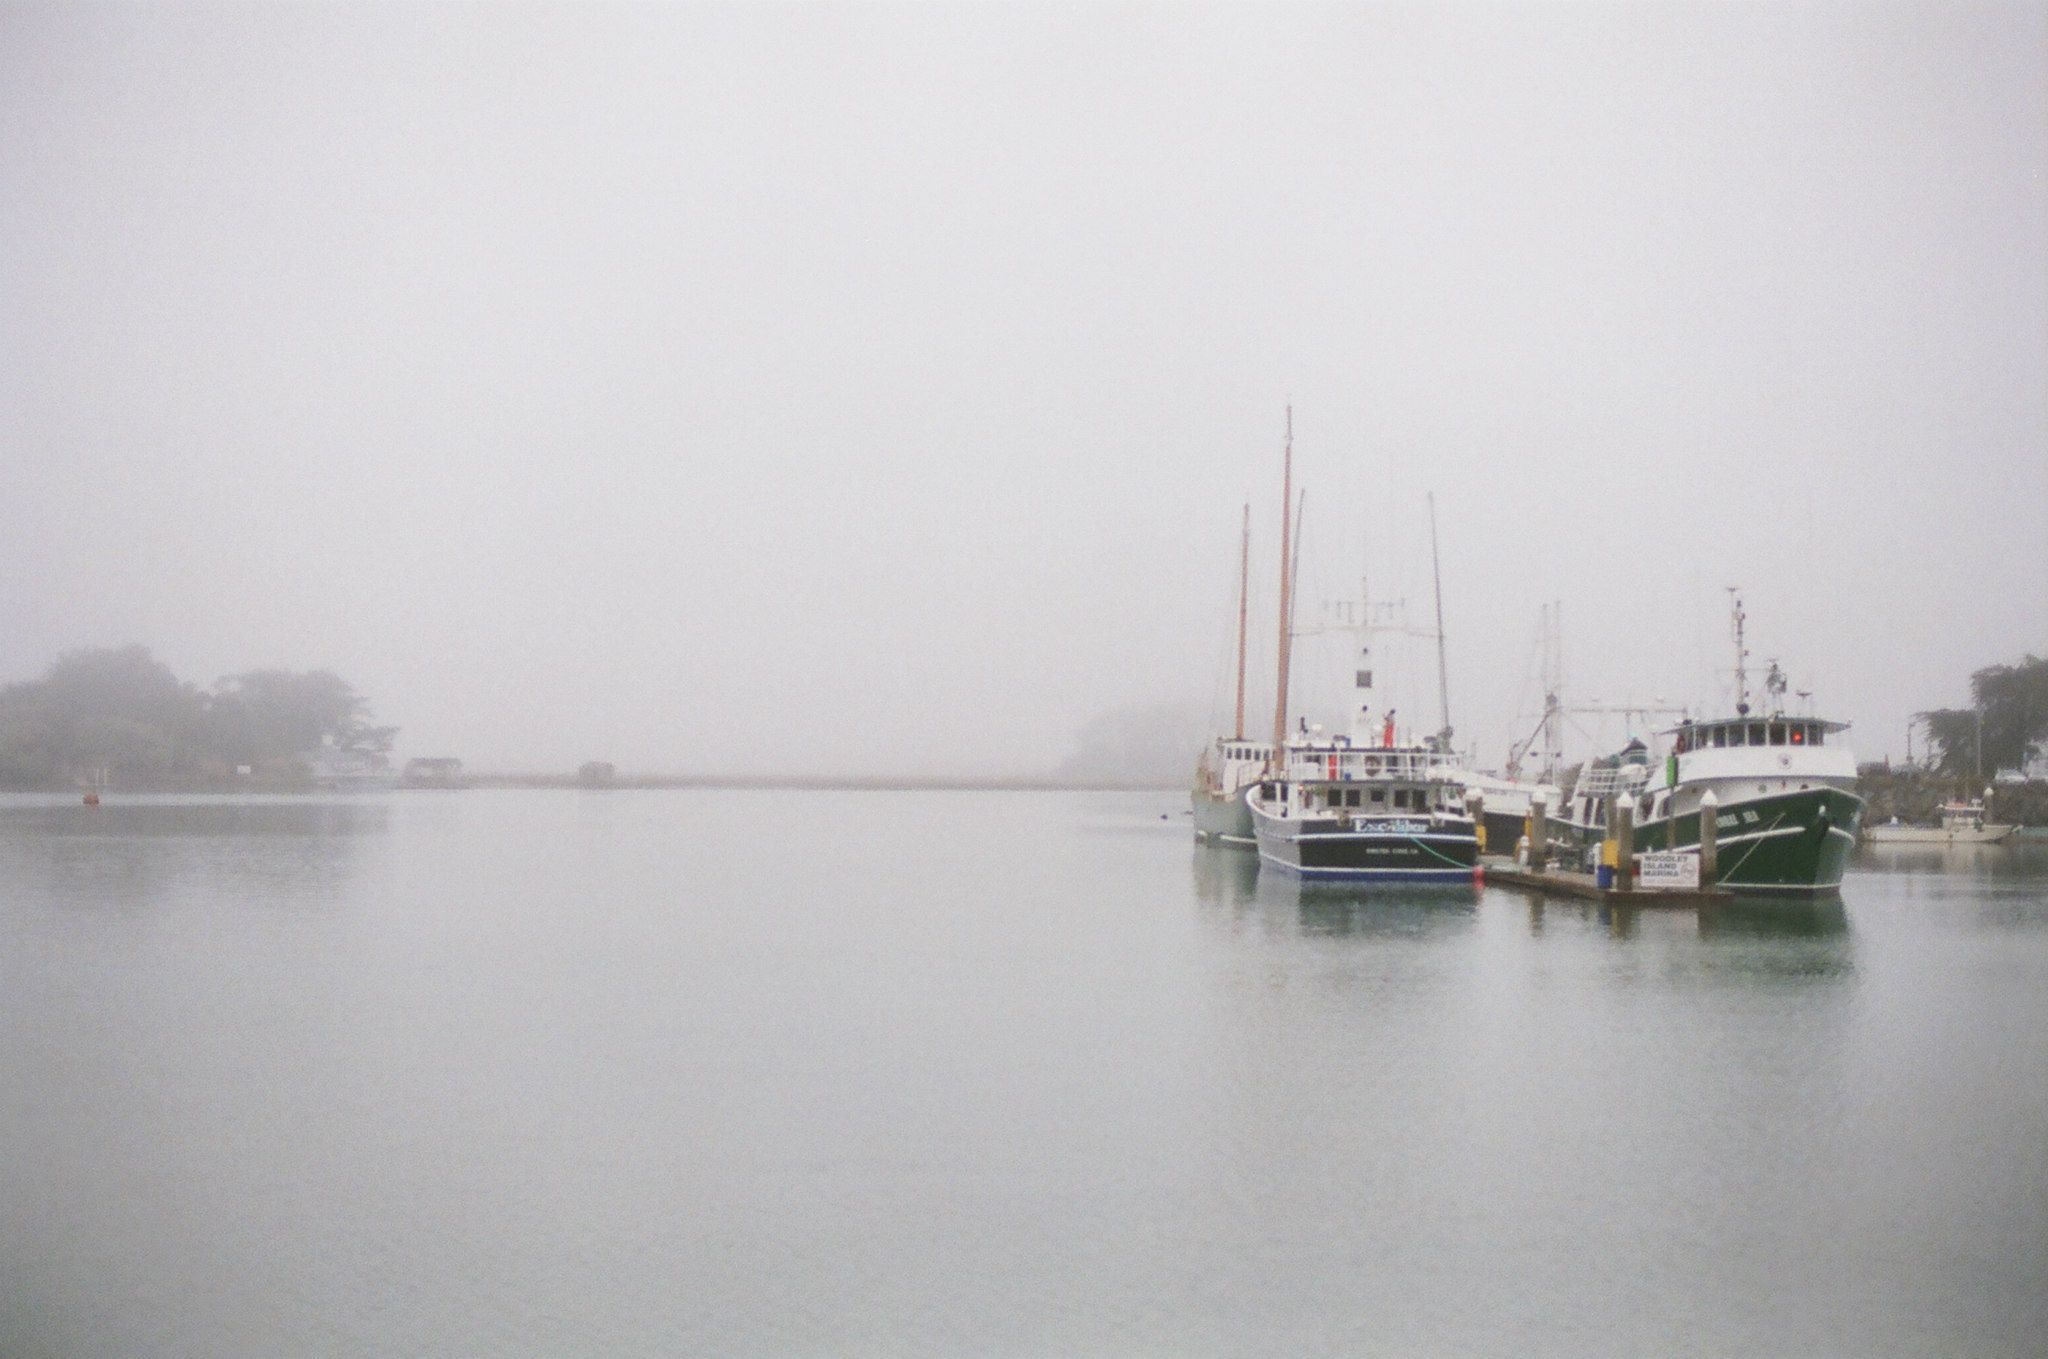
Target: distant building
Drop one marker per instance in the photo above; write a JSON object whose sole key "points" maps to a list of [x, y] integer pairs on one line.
{"points": [[346, 771], [440, 771], [596, 774], [2035, 770]]}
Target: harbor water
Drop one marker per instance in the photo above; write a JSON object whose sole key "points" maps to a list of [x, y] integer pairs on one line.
{"points": [[1013, 1074]]}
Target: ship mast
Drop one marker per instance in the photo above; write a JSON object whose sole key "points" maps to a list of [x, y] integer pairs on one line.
{"points": [[1553, 691], [1443, 682], [1294, 568], [1741, 653], [1286, 590], [1244, 576]]}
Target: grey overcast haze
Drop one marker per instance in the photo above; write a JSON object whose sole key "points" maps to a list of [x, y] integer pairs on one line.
{"points": [[874, 390]]}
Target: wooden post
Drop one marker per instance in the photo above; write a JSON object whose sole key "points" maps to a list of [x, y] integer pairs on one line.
{"points": [[1475, 807], [1539, 834], [1624, 845], [1710, 809]]}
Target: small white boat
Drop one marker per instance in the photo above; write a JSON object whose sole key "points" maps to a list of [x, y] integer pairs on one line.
{"points": [[1962, 823]]}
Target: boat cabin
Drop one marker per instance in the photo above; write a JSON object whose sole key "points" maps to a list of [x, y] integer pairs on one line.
{"points": [[1961, 816], [1752, 731], [1371, 781]]}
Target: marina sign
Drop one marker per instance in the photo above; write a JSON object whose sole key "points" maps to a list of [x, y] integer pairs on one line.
{"points": [[1668, 872]]}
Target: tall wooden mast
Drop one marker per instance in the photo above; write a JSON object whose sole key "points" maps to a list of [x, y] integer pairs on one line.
{"points": [[1244, 579], [1286, 591], [1443, 683]]}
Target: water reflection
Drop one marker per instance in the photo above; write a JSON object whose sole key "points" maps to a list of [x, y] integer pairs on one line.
{"points": [[1225, 877], [2008, 859], [1777, 941], [1757, 937], [1281, 903], [1771, 918], [493, 1089], [135, 854], [211, 816], [1348, 910]]}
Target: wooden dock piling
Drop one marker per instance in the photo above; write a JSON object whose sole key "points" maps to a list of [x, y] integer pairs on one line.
{"points": [[1710, 807], [1624, 845]]}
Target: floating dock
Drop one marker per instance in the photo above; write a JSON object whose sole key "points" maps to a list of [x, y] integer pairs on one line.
{"points": [[1564, 883]]}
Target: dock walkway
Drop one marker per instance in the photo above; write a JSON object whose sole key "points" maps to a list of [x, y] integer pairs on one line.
{"points": [[1564, 883]]}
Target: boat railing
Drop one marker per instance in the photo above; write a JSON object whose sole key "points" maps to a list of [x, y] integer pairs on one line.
{"points": [[1606, 781], [1366, 763]]}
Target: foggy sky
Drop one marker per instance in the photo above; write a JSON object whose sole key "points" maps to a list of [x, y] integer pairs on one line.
{"points": [[875, 389]]}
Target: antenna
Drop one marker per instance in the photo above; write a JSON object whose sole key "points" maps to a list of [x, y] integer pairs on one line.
{"points": [[1443, 683]]}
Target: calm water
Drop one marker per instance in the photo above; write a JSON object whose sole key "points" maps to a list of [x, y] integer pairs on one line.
{"points": [[982, 1074]]}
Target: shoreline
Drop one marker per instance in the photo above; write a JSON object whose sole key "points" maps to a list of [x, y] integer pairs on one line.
{"points": [[650, 783]]}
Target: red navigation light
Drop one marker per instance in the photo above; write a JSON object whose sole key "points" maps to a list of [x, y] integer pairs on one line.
{"points": [[1798, 736]]}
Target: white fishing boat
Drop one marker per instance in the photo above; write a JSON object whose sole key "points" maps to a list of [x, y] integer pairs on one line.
{"points": [[1534, 763], [1505, 805], [1961, 823], [1343, 807], [1784, 788], [1368, 805]]}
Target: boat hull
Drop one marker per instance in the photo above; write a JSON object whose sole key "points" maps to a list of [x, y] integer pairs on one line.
{"points": [[1504, 830], [1936, 836], [1779, 843], [1421, 851], [1223, 819]]}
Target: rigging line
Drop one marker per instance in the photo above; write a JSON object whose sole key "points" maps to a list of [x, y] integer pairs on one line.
{"points": [[1439, 854], [1754, 846]]}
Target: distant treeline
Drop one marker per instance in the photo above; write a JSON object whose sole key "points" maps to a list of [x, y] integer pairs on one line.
{"points": [[2004, 729], [2006, 726], [1915, 795], [118, 714]]}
